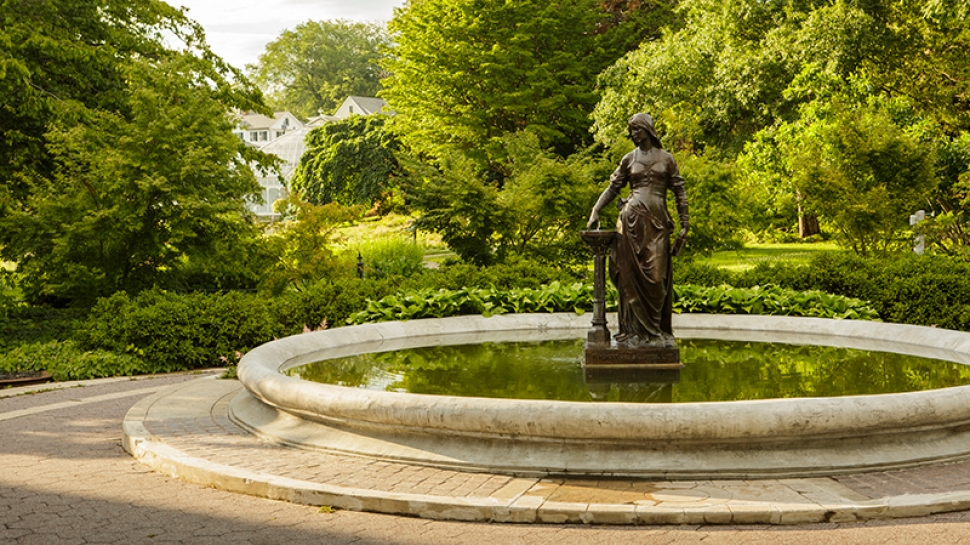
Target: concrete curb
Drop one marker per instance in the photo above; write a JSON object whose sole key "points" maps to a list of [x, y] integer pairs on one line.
{"points": [[516, 501]]}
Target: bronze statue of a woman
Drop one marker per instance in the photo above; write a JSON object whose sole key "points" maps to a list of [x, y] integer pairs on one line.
{"points": [[640, 257]]}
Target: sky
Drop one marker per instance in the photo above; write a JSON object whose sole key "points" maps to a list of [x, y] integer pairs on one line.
{"points": [[238, 31]]}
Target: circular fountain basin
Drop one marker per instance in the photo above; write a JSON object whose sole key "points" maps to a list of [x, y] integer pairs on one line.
{"points": [[738, 439]]}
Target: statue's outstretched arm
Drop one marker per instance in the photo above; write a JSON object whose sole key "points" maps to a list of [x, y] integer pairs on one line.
{"points": [[617, 179]]}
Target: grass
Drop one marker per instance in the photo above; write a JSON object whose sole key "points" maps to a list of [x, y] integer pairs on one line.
{"points": [[391, 225], [749, 256]]}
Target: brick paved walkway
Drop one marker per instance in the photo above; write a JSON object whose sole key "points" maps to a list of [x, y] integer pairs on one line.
{"points": [[65, 479]]}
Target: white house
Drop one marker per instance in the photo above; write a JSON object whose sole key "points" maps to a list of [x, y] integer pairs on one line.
{"points": [[289, 147], [257, 129]]}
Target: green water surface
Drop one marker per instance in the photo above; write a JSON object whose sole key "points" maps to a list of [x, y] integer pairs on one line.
{"points": [[714, 371]]}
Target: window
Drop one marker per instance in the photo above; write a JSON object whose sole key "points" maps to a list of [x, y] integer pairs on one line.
{"points": [[253, 136], [279, 133], [351, 109], [263, 136]]}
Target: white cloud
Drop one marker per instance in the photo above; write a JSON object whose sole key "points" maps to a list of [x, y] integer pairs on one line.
{"points": [[239, 31]]}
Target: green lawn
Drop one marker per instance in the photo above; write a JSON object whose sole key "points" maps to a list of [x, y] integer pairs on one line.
{"points": [[751, 255], [391, 225]]}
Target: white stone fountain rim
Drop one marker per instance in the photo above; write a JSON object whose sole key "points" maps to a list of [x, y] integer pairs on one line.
{"points": [[761, 421]]}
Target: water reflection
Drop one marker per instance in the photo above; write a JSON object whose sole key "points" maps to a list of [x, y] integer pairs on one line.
{"points": [[715, 371]]}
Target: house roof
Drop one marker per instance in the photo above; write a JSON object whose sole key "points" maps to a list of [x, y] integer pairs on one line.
{"points": [[320, 120], [255, 122], [369, 105]]}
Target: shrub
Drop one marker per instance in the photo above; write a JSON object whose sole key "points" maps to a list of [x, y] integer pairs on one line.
{"points": [[514, 273], [578, 297], [688, 271], [25, 324], [64, 360], [328, 302], [905, 288], [176, 332]]}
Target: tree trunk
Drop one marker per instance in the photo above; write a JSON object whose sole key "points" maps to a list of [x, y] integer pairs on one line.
{"points": [[807, 223]]}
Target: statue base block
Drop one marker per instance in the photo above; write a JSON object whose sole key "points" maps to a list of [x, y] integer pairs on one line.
{"points": [[620, 357]]}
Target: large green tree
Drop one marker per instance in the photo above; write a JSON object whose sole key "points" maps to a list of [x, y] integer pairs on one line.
{"points": [[465, 73], [312, 68], [740, 71], [116, 154]]}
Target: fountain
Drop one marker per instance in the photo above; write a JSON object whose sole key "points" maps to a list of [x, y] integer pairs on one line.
{"points": [[739, 439]]}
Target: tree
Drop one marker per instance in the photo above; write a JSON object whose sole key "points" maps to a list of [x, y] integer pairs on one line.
{"points": [[739, 72], [350, 162], [117, 154], [312, 68], [858, 169], [301, 245], [543, 203], [466, 73], [723, 76]]}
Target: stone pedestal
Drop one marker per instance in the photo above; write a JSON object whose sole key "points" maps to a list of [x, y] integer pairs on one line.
{"points": [[599, 242]]}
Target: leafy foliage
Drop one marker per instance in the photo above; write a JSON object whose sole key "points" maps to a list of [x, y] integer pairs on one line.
{"points": [[948, 229], [722, 76], [466, 72], [902, 288], [172, 332], [865, 174], [486, 301], [770, 301], [534, 213], [350, 162], [854, 167], [311, 69], [22, 324], [396, 256], [717, 214], [578, 297], [118, 150], [64, 360], [301, 245]]}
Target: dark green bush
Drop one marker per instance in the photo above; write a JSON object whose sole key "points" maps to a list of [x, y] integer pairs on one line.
{"points": [[508, 275], [64, 360], [903, 288], [330, 302], [24, 324], [175, 332], [688, 271]]}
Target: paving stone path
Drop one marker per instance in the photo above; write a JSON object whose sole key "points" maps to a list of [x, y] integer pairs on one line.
{"points": [[64, 479]]}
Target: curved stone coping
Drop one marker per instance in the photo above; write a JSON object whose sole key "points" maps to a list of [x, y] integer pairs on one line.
{"points": [[229, 462], [765, 421]]}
